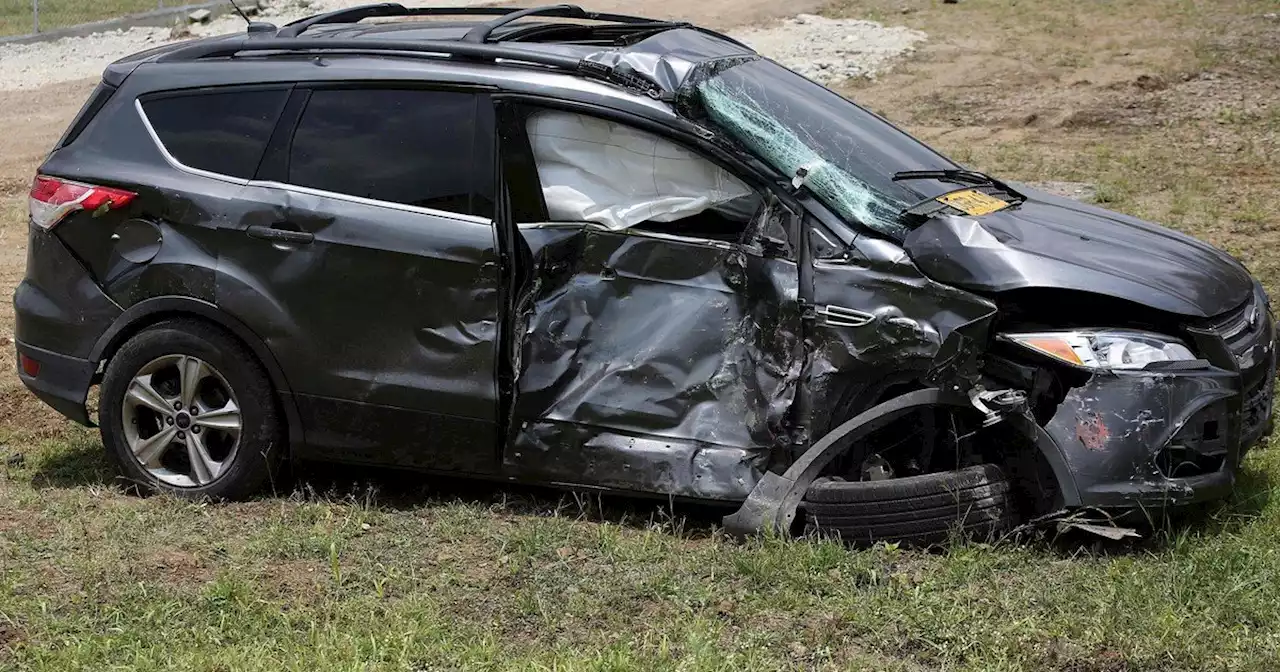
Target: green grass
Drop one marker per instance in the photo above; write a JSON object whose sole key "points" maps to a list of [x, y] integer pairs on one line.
{"points": [[16, 15], [418, 578]]}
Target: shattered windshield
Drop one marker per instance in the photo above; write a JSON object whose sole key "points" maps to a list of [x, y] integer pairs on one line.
{"points": [[849, 154]]}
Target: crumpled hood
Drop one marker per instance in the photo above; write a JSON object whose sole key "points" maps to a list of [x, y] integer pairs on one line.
{"points": [[1055, 242]]}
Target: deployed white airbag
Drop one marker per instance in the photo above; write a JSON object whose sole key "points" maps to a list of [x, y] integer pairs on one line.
{"points": [[594, 170]]}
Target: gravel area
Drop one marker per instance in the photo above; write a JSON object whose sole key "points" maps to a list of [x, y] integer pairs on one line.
{"points": [[831, 50], [827, 50], [28, 66]]}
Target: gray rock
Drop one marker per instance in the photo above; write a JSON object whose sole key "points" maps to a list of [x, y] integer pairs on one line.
{"points": [[199, 16], [179, 30]]}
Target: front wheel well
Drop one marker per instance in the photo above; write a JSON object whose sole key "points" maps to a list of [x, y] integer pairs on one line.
{"points": [[945, 438]]}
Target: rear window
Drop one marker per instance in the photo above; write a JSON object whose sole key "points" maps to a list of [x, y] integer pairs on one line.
{"points": [[413, 147], [224, 132]]}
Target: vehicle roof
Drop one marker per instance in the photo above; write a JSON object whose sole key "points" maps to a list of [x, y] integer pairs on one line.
{"points": [[418, 31], [634, 54], [431, 30]]}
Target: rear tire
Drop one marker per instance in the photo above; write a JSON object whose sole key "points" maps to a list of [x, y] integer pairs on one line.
{"points": [[226, 442], [917, 510]]}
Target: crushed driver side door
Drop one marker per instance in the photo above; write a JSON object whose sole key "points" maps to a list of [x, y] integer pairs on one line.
{"points": [[652, 363]]}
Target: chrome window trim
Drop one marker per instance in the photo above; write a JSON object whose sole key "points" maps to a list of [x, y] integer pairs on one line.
{"points": [[817, 231], [360, 200], [269, 184]]}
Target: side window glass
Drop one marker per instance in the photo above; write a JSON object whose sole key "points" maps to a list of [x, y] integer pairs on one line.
{"points": [[595, 170], [402, 146], [222, 132]]}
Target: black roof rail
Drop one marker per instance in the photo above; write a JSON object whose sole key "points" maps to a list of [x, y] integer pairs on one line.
{"points": [[480, 34], [348, 15], [534, 31], [505, 15], [625, 77]]}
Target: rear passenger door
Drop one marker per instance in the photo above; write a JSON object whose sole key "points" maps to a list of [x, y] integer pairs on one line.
{"points": [[371, 272]]}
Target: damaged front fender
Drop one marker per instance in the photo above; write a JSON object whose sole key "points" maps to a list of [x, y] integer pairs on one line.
{"points": [[773, 503]]}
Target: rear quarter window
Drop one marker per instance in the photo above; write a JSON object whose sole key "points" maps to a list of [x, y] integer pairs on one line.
{"points": [[101, 94], [224, 132]]}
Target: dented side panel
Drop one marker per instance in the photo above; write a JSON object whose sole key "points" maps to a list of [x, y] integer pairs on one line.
{"points": [[650, 363], [385, 325], [879, 323]]}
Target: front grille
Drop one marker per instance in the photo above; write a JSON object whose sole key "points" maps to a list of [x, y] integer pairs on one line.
{"points": [[1256, 408], [1244, 331], [1240, 327]]}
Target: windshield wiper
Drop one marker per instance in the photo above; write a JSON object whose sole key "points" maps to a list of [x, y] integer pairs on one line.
{"points": [[959, 175], [930, 206]]}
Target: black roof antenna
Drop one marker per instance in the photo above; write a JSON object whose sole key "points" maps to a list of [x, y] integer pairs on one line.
{"points": [[239, 11], [254, 27]]}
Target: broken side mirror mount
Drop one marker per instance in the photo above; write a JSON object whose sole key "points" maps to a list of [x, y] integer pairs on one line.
{"points": [[771, 231], [801, 176]]}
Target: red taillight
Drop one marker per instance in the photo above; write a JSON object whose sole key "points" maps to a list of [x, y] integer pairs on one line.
{"points": [[29, 366], [53, 199]]}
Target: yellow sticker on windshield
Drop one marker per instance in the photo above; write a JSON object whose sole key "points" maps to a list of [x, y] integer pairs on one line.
{"points": [[972, 202]]}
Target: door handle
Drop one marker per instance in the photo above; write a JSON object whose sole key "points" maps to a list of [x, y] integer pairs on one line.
{"points": [[279, 234]]}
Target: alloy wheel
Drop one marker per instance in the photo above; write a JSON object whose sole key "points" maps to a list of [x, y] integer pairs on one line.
{"points": [[182, 421]]}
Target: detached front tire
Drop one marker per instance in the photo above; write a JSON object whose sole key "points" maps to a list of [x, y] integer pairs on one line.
{"points": [[917, 510], [186, 408]]}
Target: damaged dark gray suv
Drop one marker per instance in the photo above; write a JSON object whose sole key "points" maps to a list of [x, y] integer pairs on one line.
{"points": [[600, 251]]}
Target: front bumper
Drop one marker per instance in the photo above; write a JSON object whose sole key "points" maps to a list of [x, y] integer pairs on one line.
{"points": [[1137, 443]]}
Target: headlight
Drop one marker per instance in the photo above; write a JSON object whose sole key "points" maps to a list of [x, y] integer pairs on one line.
{"points": [[1105, 349]]}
